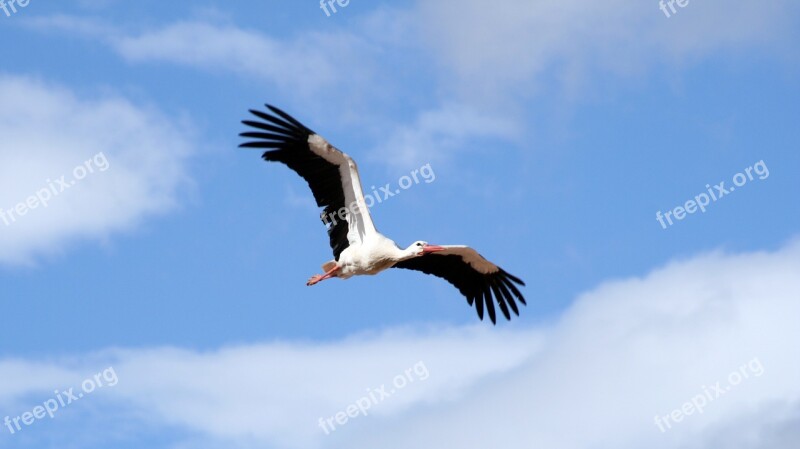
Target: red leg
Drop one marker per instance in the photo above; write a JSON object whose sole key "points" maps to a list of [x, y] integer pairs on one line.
{"points": [[321, 277]]}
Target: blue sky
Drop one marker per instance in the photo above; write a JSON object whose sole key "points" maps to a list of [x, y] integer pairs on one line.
{"points": [[556, 131]]}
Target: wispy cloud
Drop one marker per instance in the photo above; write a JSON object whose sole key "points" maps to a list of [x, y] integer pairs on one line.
{"points": [[75, 25], [331, 70], [622, 354], [481, 58], [435, 135], [49, 131], [511, 51], [277, 392], [300, 64]]}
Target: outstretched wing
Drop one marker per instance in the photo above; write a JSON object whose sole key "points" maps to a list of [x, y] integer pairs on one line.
{"points": [[331, 174], [479, 280]]}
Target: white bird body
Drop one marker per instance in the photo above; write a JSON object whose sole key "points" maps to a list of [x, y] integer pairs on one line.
{"points": [[373, 255], [368, 252], [358, 248]]}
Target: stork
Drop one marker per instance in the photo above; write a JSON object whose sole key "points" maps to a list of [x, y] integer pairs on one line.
{"points": [[358, 248]]}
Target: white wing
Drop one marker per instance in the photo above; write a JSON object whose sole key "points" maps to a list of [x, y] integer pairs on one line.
{"points": [[357, 213], [331, 174]]}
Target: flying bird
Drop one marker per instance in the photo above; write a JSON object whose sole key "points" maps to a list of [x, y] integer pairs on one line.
{"points": [[358, 248]]}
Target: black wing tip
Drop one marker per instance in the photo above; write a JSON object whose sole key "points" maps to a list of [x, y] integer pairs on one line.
{"points": [[288, 118], [512, 277], [273, 131], [501, 300], [280, 119], [491, 318], [480, 290], [499, 285], [275, 109]]}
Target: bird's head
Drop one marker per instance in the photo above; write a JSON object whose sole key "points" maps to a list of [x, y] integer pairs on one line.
{"points": [[421, 248]]}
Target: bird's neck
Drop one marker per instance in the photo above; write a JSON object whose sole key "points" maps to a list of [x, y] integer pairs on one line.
{"points": [[399, 255]]}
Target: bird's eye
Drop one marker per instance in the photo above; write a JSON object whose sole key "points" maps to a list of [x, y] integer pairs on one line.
{"points": [[419, 243]]}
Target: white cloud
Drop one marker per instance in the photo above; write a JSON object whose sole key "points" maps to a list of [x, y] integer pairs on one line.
{"points": [[74, 25], [223, 47], [623, 353], [476, 57], [277, 392], [484, 59], [312, 63], [137, 155], [337, 73], [507, 50], [436, 134], [478, 52], [492, 58], [632, 349]]}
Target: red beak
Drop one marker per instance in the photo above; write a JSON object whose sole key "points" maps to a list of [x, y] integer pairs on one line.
{"points": [[427, 249]]}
